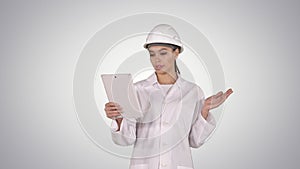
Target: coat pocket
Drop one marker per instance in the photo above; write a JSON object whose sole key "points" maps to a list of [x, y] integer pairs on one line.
{"points": [[139, 166], [183, 167]]}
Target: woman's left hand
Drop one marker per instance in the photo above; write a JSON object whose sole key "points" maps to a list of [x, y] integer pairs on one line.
{"points": [[214, 101]]}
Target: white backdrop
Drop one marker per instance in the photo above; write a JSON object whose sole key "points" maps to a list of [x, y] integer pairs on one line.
{"points": [[257, 43]]}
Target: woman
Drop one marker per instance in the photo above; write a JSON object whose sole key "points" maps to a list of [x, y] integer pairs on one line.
{"points": [[176, 114]]}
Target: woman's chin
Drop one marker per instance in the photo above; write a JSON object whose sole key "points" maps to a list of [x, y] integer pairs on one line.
{"points": [[160, 72]]}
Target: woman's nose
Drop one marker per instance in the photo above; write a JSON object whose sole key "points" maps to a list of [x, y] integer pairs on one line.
{"points": [[158, 57]]}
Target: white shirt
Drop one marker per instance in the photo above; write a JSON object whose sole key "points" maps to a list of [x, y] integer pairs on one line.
{"points": [[171, 124], [165, 88]]}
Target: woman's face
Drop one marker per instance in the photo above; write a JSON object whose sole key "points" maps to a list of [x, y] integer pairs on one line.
{"points": [[163, 59]]}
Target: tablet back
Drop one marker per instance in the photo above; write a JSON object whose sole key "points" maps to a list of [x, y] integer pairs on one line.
{"points": [[119, 88]]}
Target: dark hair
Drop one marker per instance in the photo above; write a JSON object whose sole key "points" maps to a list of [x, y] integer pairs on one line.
{"points": [[174, 47], [176, 68]]}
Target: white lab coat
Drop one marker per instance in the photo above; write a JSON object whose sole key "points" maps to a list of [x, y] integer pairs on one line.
{"points": [[171, 124]]}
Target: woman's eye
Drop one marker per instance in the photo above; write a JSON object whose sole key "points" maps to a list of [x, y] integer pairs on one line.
{"points": [[151, 55], [163, 53]]}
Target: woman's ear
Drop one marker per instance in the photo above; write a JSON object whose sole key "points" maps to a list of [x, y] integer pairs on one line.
{"points": [[176, 53]]}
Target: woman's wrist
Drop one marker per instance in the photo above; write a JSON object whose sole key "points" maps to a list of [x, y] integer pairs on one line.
{"points": [[204, 113], [119, 121]]}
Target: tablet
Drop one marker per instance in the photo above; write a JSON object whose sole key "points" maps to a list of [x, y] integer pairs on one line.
{"points": [[119, 88]]}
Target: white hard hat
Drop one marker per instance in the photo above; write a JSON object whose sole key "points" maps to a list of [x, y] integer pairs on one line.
{"points": [[163, 34]]}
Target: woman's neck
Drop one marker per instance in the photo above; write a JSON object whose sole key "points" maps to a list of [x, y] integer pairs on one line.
{"points": [[166, 78]]}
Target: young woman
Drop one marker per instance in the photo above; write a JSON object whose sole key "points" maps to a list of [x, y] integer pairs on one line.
{"points": [[176, 114]]}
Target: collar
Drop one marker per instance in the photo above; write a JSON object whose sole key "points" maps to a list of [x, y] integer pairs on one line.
{"points": [[152, 80]]}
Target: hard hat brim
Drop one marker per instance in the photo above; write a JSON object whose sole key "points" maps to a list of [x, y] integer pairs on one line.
{"points": [[146, 45]]}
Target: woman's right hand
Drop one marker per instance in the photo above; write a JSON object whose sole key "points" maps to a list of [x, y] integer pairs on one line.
{"points": [[112, 110]]}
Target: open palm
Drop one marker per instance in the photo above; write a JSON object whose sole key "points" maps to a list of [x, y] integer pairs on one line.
{"points": [[215, 101]]}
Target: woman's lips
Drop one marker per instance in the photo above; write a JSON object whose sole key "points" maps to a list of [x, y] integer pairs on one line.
{"points": [[158, 67]]}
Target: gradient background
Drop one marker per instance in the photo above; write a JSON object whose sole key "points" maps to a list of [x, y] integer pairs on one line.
{"points": [[257, 43]]}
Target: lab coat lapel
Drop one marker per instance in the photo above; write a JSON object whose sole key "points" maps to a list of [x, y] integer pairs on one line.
{"points": [[175, 92]]}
